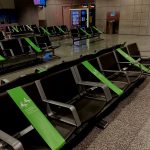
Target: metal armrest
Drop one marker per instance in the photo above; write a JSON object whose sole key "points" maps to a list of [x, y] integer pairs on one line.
{"points": [[127, 62], [14, 143], [115, 71], [97, 84], [68, 106], [4, 81], [119, 71], [23, 132], [43, 45], [145, 57]]}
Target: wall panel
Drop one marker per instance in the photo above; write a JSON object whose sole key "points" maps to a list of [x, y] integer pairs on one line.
{"points": [[134, 15]]}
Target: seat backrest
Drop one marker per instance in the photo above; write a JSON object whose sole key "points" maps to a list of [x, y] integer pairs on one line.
{"points": [[7, 29], [57, 30], [31, 89], [2, 37], [89, 30], [108, 62], [35, 29], [24, 43], [120, 57], [28, 29], [12, 119], [60, 86], [14, 30], [94, 30], [43, 39], [21, 28], [134, 50], [85, 74], [74, 32], [81, 32], [51, 30], [14, 45], [64, 28]]}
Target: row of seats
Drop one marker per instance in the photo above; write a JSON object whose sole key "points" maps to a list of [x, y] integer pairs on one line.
{"points": [[19, 51], [51, 31], [78, 34], [133, 51], [70, 95]]}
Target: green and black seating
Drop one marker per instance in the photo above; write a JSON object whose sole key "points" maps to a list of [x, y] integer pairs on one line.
{"points": [[58, 31], [23, 127], [35, 29], [83, 33], [113, 70], [77, 35], [45, 44], [130, 63], [136, 54], [28, 29], [89, 72], [15, 54], [65, 29], [51, 30], [65, 101], [96, 31]]}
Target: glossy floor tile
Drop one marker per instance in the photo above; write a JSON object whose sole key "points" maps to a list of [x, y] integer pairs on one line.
{"points": [[68, 51]]}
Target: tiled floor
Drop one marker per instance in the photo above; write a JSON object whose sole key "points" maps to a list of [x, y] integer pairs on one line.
{"points": [[129, 123], [67, 51]]}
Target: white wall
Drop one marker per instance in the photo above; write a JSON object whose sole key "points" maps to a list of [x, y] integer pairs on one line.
{"points": [[7, 4], [134, 15]]}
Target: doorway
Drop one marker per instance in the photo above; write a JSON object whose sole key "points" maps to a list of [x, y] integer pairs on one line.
{"points": [[43, 23], [112, 23]]}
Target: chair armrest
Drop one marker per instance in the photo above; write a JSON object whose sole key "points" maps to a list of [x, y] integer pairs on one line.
{"points": [[68, 106], [13, 142], [4, 81], [145, 57], [43, 45], [114, 71], [120, 71], [98, 84], [127, 62]]}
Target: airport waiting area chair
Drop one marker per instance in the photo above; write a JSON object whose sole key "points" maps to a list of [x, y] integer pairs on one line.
{"points": [[66, 102], [68, 95], [136, 54], [15, 54], [20, 128], [45, 43], [79, 34], [126, 59]]}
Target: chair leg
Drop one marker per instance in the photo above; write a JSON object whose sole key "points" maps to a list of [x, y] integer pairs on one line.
{"points": [[102, 124]]}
